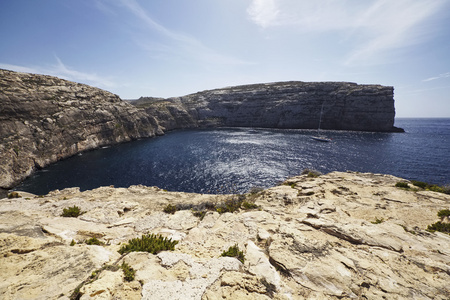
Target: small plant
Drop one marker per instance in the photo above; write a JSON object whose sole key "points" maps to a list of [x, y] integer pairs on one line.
{"points": [[199, 214], [93, 241], [148, 243], [377, 221], [439, 226], [14, 195], [420, 184], [170, 209], [311, 173], [230, 205], [443, 213], [73, 243], [233, 251], [128, 272], [401, 184], [249, 205], [71, 212]]}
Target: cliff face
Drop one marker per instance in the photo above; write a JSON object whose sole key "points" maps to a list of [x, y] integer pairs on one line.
{"points": [[337, 236], [346, 106], [44, 119]]}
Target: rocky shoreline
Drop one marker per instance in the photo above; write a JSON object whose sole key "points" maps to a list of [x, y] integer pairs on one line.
{"points": [[335, 236]]}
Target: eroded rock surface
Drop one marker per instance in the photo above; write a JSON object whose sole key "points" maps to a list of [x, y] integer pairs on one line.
{"points": [[311, 238], [346, 106], [44, 119]]}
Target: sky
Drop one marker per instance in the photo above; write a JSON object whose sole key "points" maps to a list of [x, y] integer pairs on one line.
{"points": [[168, 48]]}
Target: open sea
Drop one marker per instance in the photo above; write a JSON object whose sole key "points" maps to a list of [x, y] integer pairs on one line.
{"points": [[233, 160]]}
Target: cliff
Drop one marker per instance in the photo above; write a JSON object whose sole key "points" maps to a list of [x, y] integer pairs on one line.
{"points": [[346, 106], [44, 119], [337, 236]]}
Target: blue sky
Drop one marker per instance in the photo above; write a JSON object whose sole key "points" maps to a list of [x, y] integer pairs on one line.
{"points": [[165, 48]]}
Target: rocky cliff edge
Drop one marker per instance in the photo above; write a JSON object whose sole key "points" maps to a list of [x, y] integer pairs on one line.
{"points": [[294, 105], [337, 236], [44, 119]]}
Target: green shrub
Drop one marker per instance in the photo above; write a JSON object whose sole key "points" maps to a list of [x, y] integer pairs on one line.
{"points": [[230, 205], [233, 251], [431, 187], [311, 173], [73, 243], [148, 243], [420, 184], [443, 213], [93, 241], [439, 226], [402, 185], [170, 209], [249, 205], [14, 195], [128, 271], [435, 188], [72, 212]]}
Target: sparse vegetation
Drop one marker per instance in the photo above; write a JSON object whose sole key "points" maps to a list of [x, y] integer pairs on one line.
{"points": [[14, 195], [170, 209], [249, 205], [311, 173], [199, 214], [431, 187], [233, 251], [377, 221], [443, 213], [149, 243], [94, 241], [72, 212], [440, 225], [402, 184], [230, 205], [73, 243], [128, 272]]}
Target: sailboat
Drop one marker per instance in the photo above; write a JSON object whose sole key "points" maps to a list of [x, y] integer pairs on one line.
{"points": [[319, 137]]}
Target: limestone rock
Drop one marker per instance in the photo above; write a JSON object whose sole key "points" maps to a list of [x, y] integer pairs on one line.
{"points": [[346, 106], [44, 119], [326, 245]]}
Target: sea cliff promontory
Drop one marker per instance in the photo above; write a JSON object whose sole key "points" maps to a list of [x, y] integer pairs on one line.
{"points": [[44, 118], [335, 236], [339, 105]]}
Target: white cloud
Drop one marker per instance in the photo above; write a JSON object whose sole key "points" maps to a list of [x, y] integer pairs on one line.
{"points": [[264, 13], [440, 76], [370, 27]]}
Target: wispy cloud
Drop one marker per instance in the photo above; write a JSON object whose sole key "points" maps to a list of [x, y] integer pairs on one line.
{"points": [[264, 12], [372, 27], [175, 43], [63, 71], [440, 76]]}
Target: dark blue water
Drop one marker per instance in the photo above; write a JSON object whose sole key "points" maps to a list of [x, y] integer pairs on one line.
{"points": [[234, 160]]}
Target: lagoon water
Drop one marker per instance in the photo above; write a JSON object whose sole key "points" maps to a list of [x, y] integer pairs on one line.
{"points": [[237, 159]]}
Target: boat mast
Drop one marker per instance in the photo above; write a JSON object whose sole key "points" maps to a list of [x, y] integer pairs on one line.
{"points": [[320, 118]]}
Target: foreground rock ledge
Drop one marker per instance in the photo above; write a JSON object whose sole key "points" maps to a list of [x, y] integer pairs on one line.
{"points": [[312, 238]]}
